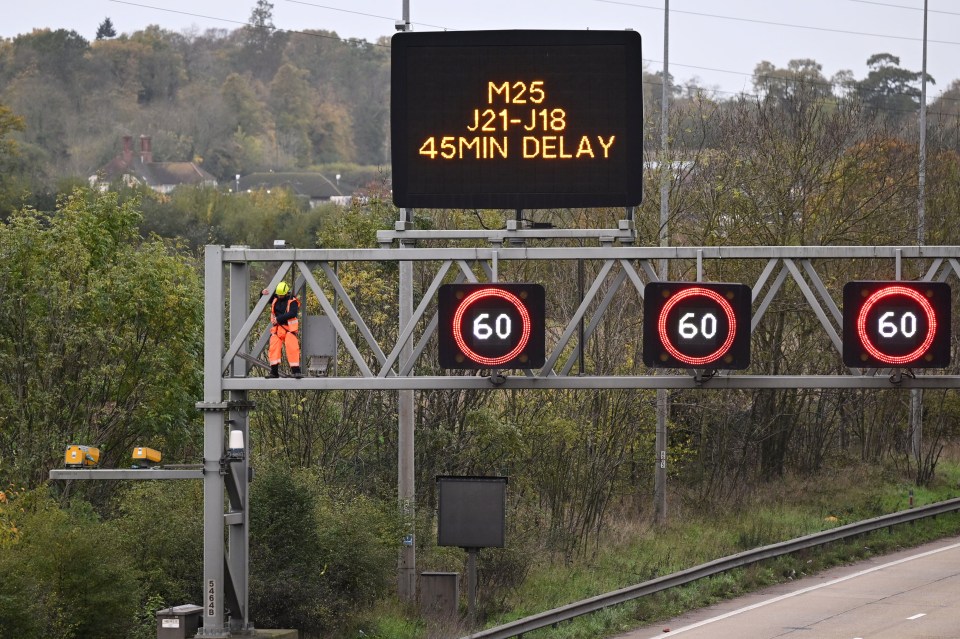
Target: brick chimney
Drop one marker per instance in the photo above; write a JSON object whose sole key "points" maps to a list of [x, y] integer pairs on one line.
{"points": [[146, 155], [127, 149]]}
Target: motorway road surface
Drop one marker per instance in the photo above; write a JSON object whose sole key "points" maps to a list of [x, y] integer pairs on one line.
{"points": [[910, 594]]}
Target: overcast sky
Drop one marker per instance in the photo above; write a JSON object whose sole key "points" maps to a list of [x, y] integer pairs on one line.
{"points": [[719, 43]]}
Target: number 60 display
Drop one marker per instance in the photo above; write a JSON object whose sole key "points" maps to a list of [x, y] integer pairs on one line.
{"points": [[696, 325], [491, 326], [898, 324]]}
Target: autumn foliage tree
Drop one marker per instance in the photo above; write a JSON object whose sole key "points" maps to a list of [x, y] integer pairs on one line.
{"points": [[9, 157], [99, 339]]}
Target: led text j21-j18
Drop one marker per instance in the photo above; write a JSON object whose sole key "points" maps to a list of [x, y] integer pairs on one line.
{"points": [[516, 119], [491, 326], [898, 324], [696, 325]]}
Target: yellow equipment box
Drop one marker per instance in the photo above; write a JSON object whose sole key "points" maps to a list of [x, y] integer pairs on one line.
{"points": [[148, 455], [80, 456]]}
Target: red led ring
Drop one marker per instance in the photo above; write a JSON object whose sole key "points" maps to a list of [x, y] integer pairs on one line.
{"points": [[524, 319], [731, 326], [873, 350]]}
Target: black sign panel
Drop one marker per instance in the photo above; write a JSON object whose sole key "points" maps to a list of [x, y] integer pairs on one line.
{"points": [[899, 324], [517, 119], [471, 511], [696, 325], [491, 325]]}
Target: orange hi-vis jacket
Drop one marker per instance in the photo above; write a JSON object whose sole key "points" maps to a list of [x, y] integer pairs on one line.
{"points": [[287, 315], [283, 332]]}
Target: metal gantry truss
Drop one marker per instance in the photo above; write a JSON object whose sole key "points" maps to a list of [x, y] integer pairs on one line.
{"points": [[380, 366], [234, 334]]}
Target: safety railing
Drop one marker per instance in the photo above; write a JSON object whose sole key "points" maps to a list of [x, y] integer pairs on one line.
{"points": [[709, 569]]}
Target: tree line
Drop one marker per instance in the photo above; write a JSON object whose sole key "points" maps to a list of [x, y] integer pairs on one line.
{"points": [[260, 98], [254, 98]]}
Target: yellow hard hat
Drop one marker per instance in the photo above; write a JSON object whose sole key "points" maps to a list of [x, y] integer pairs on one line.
{"points": [[283, 288]]}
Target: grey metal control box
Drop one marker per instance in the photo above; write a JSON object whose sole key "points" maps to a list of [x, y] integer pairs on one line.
{"points": [[178, 622]]}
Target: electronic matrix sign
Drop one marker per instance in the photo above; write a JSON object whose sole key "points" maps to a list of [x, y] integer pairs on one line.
{"points": [[696, 325], [898, 324], [491, 325], [471, 511], [516, 119]]}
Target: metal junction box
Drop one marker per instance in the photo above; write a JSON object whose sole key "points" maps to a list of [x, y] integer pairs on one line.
{"points": [[178, 622]]}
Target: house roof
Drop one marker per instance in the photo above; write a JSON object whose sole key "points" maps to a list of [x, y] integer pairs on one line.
{"points": [[311, 184], [177, 173], [156, 173]]}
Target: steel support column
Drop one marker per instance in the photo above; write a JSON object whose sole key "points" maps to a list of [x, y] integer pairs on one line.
{"points": [[213, 422], [406, 490], [238, 519]]}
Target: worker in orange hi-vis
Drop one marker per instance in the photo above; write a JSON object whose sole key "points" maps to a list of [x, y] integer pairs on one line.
{"points": [[283, 329]]}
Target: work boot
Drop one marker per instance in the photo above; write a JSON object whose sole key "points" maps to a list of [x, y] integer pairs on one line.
{"points": [[274, 370], [296, 372]]}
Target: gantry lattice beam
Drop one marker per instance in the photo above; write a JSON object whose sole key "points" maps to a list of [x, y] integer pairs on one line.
{"points": [[617, 268]]}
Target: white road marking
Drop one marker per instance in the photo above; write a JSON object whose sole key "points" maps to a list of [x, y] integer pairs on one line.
{"points": [[760, 604], [922, 614]]}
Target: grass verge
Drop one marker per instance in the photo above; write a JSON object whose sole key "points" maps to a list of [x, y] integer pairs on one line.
{"points": [[633, 554]]}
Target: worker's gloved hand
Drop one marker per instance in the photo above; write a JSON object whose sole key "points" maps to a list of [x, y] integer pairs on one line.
{"points": [[265, 291]]}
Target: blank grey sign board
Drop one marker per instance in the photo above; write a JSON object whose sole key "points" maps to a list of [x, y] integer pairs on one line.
{"points": [[471, 511]]}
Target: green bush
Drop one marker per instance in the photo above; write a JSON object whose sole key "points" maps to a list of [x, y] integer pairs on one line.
{"points": [[316, 560], [64, 574], [160, 525]]}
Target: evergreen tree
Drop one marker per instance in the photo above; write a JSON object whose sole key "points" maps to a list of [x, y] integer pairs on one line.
{"points": [[262, 42], [890, 88], [106, 30], [262, 16]]}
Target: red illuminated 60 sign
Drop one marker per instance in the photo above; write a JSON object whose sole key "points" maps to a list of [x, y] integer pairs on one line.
{"points": [[900, 324], [491, 326], [696, 325]]}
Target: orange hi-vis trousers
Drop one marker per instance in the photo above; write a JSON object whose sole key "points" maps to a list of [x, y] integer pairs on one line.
{"points": [[281, 338]]}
